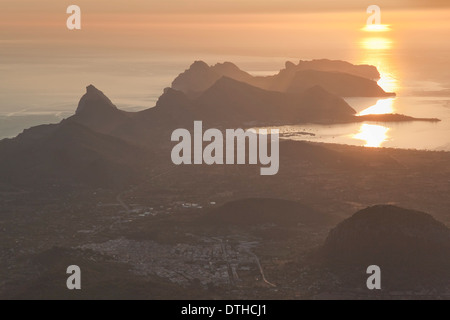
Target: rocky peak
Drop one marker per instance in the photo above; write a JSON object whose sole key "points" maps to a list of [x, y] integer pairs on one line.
{"points": [[94, 99]]}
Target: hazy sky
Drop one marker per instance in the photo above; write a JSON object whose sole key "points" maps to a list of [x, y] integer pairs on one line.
{"points": [[216, 6], [108, 20]]}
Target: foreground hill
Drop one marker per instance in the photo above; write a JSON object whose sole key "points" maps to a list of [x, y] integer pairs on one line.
{"points": [[406, 244]]}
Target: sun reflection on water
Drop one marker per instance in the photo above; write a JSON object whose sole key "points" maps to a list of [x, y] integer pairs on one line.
{"points": [[376, 52], [387, 80], [376, 43], [373, 134], [382, 106], [376, 46]]}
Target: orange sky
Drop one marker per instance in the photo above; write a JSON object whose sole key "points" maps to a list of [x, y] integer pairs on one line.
{"points": [[33, 17], [213, 6], [243, 27]]}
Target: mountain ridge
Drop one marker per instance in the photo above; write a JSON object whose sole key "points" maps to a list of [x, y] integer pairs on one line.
{"points": [[199, 77]]}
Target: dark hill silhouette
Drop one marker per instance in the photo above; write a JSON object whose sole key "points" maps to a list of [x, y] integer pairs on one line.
{"points": [[199, 77], [392, 237], [321, 106], [96, 111], [67, 153], [283, 79], [94, 99], [341, 84], [144, 128], [365, 71], [232, 101], [411, 248], [171, 110], [235, 101], [152, 127], [256, 211]]}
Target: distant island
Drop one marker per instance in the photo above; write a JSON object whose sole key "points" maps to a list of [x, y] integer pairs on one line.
{"points": [[337, 77], [101, 143]]}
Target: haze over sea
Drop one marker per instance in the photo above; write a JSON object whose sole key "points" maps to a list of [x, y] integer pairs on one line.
{"points": [[43, 73]]}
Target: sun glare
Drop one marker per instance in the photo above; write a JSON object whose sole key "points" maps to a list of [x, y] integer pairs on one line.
{"points": [[374, 135]]}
